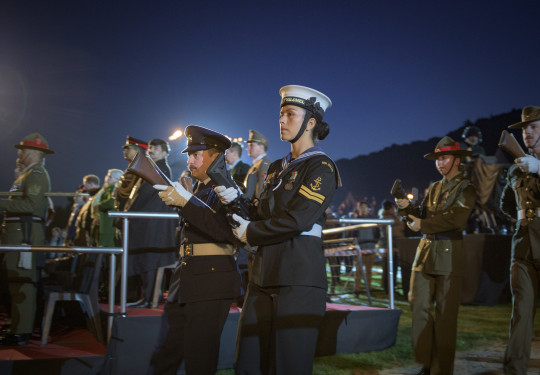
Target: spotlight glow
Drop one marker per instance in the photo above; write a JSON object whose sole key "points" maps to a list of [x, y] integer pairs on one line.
{"points": [[174, 136]]}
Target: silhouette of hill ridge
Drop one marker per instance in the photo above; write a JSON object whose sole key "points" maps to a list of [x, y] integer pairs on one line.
{"points": [[372, 175]]}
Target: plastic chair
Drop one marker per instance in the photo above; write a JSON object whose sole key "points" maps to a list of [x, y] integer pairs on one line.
{"points": [[84, 290], [157, 284]]}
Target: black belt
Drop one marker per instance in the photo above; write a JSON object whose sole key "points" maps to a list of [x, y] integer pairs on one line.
{"points": [[452, 236]]}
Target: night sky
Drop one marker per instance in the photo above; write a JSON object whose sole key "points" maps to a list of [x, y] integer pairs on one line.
{"points": [[85, 74]]}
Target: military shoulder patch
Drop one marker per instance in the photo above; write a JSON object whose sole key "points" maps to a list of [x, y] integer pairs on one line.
{"points": [[34, 189], [310, 194]]}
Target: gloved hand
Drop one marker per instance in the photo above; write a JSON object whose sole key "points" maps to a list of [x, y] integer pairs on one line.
{"points": [[528, 164], [240, 231], [174, 195], [226, 195], [402, 203], [415, 224], [25, 260]]}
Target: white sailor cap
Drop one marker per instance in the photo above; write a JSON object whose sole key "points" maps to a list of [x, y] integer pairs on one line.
{"points": [[305, 97]]}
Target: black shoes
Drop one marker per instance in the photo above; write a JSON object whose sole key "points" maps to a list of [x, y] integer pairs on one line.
{"points": [[15, 340], [424, 371]]}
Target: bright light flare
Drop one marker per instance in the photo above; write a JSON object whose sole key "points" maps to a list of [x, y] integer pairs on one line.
{"points": [[174, 136], [410, 196]]}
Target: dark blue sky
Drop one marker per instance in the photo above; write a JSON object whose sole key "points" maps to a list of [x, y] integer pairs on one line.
{"points": [[87, 73]]}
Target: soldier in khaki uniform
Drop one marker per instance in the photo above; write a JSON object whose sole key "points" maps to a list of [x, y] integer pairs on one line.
{"points": [[439, 265], [125, 185], [24, 223], [521, 200], [256, 175], [256, 148]]}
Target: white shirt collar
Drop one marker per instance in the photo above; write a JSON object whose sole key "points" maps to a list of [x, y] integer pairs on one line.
{"points": [[258, 158]]}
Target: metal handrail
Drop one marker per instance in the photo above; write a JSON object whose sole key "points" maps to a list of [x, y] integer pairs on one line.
{"points": [[48, 194], [359, 223], [366, 223], [60, 249], [125, 234], [144, 215], [79, 249]]}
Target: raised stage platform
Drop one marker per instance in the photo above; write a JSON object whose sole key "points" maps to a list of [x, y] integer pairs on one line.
{"points": [[345, 329]]}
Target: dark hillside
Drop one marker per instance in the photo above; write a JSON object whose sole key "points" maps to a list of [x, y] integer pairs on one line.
{"points": [[372, 175]]}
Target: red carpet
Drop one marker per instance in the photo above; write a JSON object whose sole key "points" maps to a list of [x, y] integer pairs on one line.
{"points": [[70, 342], [73, 342]]}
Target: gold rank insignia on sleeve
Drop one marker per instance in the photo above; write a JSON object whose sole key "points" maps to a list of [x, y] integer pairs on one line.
{"points": [[310, 194]]}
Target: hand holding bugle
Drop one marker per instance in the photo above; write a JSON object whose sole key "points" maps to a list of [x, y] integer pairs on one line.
{"points": [[144, 167], [220, 176], [398, 193]]}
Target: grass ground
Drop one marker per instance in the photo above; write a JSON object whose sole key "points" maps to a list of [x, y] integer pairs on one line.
{"points": [[478, 327]]}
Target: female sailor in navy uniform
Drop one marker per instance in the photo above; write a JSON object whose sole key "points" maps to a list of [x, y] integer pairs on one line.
{"points": [[286, 298]]}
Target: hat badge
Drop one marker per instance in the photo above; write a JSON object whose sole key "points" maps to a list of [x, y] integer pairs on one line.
{"points": [[531, 116]]}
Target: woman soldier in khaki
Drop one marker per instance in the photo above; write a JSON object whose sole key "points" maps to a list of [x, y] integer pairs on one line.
{"points": [[439, 265]]}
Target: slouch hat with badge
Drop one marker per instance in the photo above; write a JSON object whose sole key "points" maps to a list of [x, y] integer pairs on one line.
{"points": [[35, 141], [447, 146], [529, 114]]}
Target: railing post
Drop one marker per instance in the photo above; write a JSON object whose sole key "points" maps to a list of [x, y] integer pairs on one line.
{"points": [[123, 282], [112, 287], [390, 266]]}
